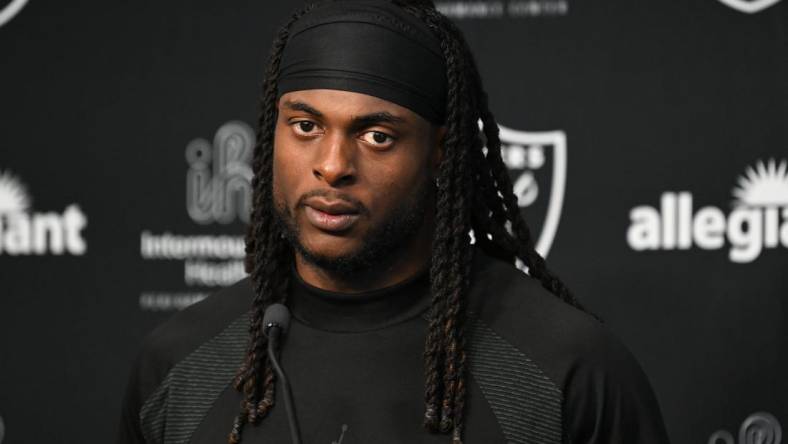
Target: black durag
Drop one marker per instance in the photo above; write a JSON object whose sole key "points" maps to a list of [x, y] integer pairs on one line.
{"points": [[367, 46]]}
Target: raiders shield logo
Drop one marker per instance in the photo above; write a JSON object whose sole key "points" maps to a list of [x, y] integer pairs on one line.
{"points": [[749, 6], [537, 166]]}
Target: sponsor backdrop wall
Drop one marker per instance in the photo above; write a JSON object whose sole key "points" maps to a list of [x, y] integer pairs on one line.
{"points": [[648, 140]]}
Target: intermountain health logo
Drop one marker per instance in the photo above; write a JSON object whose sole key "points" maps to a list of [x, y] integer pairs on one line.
{"points": [[758, 219], [218, 193], [537, 165], [24, 232]]}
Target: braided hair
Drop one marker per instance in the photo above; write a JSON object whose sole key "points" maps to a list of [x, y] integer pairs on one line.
{"points": [[474, 193]]}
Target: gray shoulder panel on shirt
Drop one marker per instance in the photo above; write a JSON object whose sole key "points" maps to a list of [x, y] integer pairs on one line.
{"points": [[193, 384], [526, 403]]}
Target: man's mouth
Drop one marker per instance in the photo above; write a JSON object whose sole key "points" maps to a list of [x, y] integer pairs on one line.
{"points": [[330, 215]]}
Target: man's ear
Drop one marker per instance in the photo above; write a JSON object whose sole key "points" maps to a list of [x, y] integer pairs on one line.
{"points": [[437, 150]]}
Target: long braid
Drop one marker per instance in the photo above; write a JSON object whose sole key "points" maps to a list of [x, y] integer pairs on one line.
{"points": [[462, 269], [451, 257], [460, 257], [443, 247], [486, 202], [474, 193], [537, 266], [268, 255]]}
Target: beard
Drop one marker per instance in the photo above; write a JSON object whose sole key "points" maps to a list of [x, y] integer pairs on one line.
{"points": [[379, 246]]}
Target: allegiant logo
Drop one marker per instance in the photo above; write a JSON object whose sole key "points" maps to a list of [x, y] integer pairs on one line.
{"points": [[23, 232], [758, 220]]}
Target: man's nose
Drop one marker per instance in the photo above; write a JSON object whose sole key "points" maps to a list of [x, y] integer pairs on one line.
{"points": [[335, 162]]}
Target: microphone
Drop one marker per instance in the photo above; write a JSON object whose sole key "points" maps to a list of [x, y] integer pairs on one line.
{"points": [[276, 320]]}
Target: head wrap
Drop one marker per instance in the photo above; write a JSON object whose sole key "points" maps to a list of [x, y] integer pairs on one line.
{"points": [[367, 46]]}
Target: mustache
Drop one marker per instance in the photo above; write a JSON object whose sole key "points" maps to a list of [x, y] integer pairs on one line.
{"points": [[332, 195]]}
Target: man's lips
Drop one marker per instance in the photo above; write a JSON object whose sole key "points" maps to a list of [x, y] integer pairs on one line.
{"points": [[332, 206], [330, 215]]}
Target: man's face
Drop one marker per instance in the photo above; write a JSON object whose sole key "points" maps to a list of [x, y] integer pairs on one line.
{"points": [[352, 176]]}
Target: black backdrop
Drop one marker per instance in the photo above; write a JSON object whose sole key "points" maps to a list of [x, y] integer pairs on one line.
{"points": [[648, 139]]}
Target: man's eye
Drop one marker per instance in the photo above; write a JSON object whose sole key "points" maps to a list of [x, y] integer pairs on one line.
{"points": [[377, 138], [304, 126]]}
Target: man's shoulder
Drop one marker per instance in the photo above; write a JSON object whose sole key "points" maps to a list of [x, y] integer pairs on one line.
{"points": [[188, 329], [203, 342], [581, 371], [557, 336]]}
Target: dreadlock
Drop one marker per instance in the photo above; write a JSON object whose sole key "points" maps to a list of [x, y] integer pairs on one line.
{"points": [[474, 193]]}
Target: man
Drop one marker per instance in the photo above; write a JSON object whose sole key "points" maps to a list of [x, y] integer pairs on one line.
{"points": [[370, 175]]}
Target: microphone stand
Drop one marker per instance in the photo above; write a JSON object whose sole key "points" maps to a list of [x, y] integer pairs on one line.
{"points": [[273, 338]]}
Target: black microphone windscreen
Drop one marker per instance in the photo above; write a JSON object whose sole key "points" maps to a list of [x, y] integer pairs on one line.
{"points": [[276, 314]]}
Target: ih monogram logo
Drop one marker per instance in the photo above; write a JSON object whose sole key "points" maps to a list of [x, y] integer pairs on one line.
{"points": [[218, 183]]}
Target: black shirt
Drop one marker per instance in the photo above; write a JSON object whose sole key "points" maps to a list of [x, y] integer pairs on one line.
{"points": [[540, 370]]}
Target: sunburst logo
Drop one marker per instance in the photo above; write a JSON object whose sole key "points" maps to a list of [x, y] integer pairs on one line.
{"points": [[13, 195], [758, 220], [23, 232], [762, 186]]}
